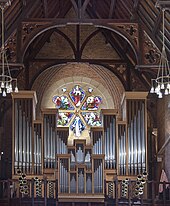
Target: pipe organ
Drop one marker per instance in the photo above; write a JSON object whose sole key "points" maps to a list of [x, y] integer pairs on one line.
{"points": [[136, 134], [49, 122], [122, 143], [134, 114], [37, 148], [23, 132], [116, 147], [110, 141]]}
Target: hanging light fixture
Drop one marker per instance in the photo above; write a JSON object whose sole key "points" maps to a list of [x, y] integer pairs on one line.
{"points": [[7, 83], [161, 85]]}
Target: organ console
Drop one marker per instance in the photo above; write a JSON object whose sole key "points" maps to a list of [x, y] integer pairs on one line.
{"points": [[115, 148]]}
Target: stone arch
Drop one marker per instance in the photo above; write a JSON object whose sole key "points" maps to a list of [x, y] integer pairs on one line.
{"points": [[103, 81]]}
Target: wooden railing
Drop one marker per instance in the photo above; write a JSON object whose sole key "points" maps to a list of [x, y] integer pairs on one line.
{"points": [[10, 194]]}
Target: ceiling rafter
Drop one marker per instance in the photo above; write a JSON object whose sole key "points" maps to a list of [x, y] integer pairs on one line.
{"points": [[64, 7], [135, 9], [106, 36], [157, 24], [112, 8], [45, 8], [75, 6], [39, 44], [85, 4], [26, 10]]}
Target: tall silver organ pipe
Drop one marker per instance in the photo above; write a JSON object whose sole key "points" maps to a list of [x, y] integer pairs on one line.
{"points": [[23, 119], [98, 176], [37, 148], [88, 183], [97, 137], [110, 141], [63, 176], [73, 183], [122, 148], [136, 136], [61, 141], [49, 140], [80, 180]]}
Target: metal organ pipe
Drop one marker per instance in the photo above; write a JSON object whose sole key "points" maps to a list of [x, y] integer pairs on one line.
{"points": [[136, 136], [139, 143], [20, 138], [110, 141], [16, 165], [143, 136], [23, 134]]}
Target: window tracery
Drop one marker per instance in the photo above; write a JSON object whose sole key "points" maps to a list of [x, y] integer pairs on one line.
{"points": [[78, 110]]}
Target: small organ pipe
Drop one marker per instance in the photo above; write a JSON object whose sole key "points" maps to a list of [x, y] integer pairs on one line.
{"points": [[45, 146], [139, 142], [16, 136], [124, 137], [143, 136]]}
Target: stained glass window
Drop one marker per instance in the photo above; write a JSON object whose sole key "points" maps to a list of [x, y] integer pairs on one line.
{"points": [[78, 109]]}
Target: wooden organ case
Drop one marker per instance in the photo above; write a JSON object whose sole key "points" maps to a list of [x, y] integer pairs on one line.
{"points": [[83, 170]]}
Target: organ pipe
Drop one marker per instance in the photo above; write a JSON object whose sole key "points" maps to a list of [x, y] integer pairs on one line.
{"points": [[22, 134], [50, 140], [37, 148], [122, 148], [136, 136], [110, 141]]}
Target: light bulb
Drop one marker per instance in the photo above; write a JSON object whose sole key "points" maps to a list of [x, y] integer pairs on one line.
{"points": [[162, 86], [16, 89], [8, 90], [157, 89], [152, 90], [2, 85], [168, 86], [0, 90], [160, 95], [166, 91], [4, 93]]}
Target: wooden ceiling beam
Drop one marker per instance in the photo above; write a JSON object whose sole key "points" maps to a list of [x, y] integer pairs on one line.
{"points": [[26, 10], [75, 7], [45, 8], [126, 9], [39, 44], [98, 61], [157, 24], [64, 8], [112, 8], [65, 21], [83, 9], [135, 9]]}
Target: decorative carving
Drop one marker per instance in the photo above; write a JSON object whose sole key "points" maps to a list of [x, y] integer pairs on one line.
{"points": [[10, 47], [28, 28], [151, 52], [122, 70], [131, 29]]}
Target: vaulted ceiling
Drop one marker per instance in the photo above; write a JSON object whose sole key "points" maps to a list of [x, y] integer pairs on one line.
{"points": [[130, 30]]}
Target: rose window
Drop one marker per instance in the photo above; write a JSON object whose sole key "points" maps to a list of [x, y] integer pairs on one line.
{"points": [[78, 110]]}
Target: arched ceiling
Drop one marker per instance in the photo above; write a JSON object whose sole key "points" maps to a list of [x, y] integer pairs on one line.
{"points": [[103, 82], [124, 36]]}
